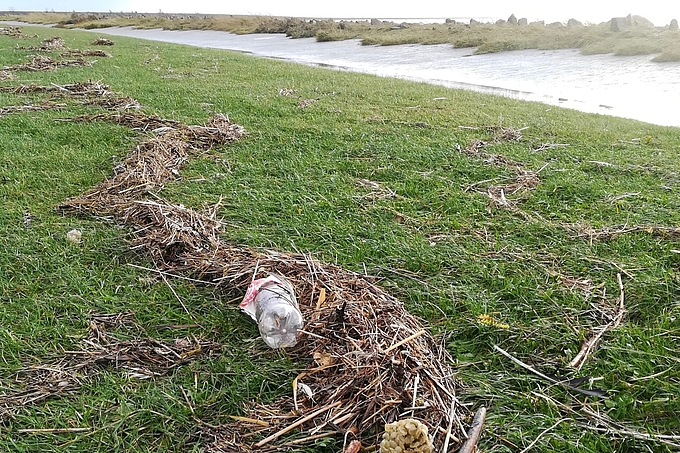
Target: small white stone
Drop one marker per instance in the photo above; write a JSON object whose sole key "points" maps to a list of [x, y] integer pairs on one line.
{"points": [[74, 236]]}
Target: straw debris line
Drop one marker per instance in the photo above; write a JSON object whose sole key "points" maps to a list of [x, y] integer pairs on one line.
{"points": [[43, 63], [30, 107], [86, 53], [102, 42], [523, 181], [140, 358], [48, 45], [89, 93], [12, 32], [606, 234], [369, 361], [364, 352], [57, 43]]}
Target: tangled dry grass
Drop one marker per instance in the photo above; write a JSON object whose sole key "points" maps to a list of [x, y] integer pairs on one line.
{"points": [[523, 181], [141, 358], [369, 361], [102, 42], [43, 63], [12, 32]]}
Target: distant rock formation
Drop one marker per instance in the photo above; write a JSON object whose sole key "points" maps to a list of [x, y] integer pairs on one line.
{"points": [[474, 22], [630, 21], [376, 22], [538, 23], [674, 24], [523, 21], [501, 22], [512, 20], [574, 23]]}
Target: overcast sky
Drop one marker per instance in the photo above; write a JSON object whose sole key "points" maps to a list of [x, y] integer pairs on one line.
{"points": [[658, 11]]}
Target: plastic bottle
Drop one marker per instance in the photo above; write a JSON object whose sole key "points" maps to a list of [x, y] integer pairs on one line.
{"points": [[271, 302]]}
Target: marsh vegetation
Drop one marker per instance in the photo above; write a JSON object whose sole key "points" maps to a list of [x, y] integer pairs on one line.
{"points": [[627, 36]]}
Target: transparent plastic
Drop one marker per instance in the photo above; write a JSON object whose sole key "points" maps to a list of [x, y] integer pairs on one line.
{"points": [[271, 302]]}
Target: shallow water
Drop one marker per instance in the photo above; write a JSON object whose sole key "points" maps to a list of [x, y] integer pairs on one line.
{"points": [[630, 87]]}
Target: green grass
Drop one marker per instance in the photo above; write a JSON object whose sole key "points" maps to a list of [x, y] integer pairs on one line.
{"points": [[292, 185]]}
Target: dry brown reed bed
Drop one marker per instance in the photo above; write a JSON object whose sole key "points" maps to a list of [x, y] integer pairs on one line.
{"points": [[369, 361], [141, 358]]}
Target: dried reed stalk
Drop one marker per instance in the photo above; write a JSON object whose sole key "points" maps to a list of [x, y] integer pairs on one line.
{"points": [[590, 344]]}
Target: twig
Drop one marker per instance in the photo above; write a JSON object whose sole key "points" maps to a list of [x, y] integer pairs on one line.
{"points": [[290, 427], [589, 345], [52, 430], [307, 439], [405, 340], [475, 431], [542, 433], [445, 448], [171, 275], [622, 196], [186, 398], [415, 393], [165, 279], [543, 376], [546, 146]]}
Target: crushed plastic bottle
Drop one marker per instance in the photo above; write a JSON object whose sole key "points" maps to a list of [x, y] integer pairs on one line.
{"points": [[271, 302]]}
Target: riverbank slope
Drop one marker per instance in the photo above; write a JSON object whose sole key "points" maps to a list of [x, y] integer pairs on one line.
{"points": [[548, 233]]}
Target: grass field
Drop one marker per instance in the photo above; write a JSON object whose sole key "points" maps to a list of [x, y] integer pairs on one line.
{"points": [[502, 224]]}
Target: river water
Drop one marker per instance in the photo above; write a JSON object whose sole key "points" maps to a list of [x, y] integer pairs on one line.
{"points": [[629, 87]]}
